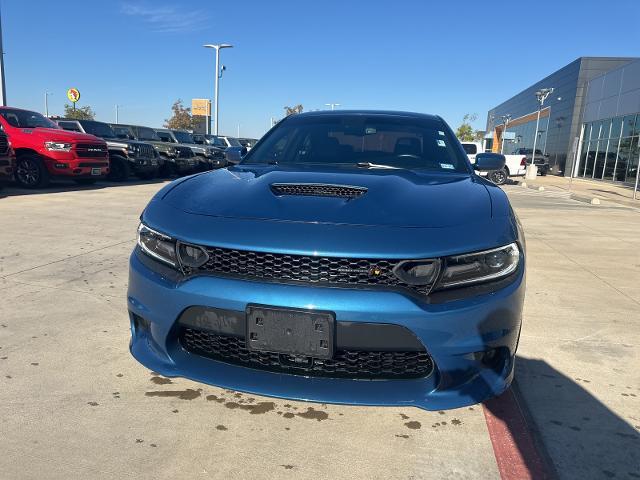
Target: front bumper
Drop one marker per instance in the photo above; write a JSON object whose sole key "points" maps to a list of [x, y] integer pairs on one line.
{"points": [[455, 333]]}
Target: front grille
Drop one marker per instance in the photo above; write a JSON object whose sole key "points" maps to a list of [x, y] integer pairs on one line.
{"points": [[184, 152], [317, 190], [145, 150], [93, 164], [4, 145], [354, 364], [338, 271], [91, 150]]}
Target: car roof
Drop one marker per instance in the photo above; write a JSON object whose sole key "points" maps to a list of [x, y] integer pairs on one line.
{"points": [[390, 113]]}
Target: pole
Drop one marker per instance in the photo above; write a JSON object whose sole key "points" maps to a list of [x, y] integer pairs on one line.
{"points": [[46, 104], [535, 137], [506, 123], [117, 113], [238, 136], [635, 189], [217, 88], [3, 91]]}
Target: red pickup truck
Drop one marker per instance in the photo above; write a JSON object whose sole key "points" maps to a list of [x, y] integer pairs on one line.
{"points": [[43, 150]]}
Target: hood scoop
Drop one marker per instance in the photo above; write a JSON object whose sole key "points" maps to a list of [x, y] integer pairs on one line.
{"points": [[317, 190]]}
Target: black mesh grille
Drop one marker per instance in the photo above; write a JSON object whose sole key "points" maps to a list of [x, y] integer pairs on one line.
{"points": [[305, 269], [93, 164], [355, 364], [317, 190], [91, 150], [145, 150], [4, 144], [184, 152]]}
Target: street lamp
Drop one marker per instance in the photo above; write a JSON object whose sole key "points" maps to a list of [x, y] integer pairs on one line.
{"points": [[505, 120], [117, 109], [218, 75], [46, 103], [541, 96], [332, 105]]}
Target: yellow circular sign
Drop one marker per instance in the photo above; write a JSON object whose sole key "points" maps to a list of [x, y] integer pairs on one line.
{"points": [[73, 94]]}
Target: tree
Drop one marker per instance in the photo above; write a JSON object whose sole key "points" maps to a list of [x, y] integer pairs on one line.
{"points": [[465, 131], [181, 118], [79, 113], [293, 110]]}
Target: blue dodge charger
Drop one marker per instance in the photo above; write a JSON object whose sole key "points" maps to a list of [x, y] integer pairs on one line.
{"points": [[350, 257]]}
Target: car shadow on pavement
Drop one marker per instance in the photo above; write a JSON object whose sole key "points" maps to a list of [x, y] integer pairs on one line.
{"points": [[573, 430], [69, 186]]}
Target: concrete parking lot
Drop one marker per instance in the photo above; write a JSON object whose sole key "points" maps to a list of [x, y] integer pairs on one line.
{"points": [[74, 403]]}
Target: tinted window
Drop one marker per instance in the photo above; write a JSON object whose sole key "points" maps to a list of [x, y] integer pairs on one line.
{"points": [[183, 137], [26, 119], [98, 129], [165, 137], [122, 132], [402, 142], [233, 142], [71, 126], [145, 133], [470, 148]]}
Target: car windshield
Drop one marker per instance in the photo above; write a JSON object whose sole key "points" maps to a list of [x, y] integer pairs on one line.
{"points": [[145, 133], [217, 141], [165, 137], [122, 132], [183, 137], [234, 142], [99, 129], [363, 140], [26, 119]]}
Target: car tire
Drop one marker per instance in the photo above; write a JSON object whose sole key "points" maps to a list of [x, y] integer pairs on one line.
{"points": [[167, 169], [118, 168], [499, 177], [543, 172], [31, 171], [147, 175]]}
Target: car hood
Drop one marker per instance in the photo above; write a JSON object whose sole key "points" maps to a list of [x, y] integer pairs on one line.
{"points": [[399, 198], [55, 135]]}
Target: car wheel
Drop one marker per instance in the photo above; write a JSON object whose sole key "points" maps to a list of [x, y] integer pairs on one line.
{"points": [[148, 175], [118, 168], [167, 169], [543, 172], [31, 172], [499, 177]]}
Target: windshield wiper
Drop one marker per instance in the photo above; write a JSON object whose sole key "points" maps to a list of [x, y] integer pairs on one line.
{"points": [[375, 165]]}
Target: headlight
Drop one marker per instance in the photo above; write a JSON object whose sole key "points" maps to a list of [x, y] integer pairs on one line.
{"points": [[166, 249], [480, 267], [58, 146], [157, 245], [131, 150]]}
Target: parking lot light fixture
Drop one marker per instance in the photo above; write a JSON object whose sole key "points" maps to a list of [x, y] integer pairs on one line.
{"points": [[541, 96], [216, 93], [505, 120], [46, 103]]}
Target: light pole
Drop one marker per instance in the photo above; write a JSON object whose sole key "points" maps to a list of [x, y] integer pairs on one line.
{"points": [[117, 110], [46, 103], [217, 78], [505, 119], [332, 105], [541, 96], [3, 90]]}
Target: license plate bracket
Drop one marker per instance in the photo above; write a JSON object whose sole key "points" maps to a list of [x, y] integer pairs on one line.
{"points": [[96, 171], [308, 333]]}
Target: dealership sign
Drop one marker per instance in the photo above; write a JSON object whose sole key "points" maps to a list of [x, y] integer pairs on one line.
{"points": [[201, 107], [73, 94]]}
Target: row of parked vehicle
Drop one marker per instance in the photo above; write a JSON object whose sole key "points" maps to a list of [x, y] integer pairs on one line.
{"points": [[35, 149]]}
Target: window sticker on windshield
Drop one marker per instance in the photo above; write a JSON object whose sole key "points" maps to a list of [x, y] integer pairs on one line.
{"points": [[441, 143], [441, 133], [448, 166]]}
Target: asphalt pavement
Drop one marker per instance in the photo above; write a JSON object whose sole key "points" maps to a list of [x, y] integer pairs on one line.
{"points": [[74, 403]]}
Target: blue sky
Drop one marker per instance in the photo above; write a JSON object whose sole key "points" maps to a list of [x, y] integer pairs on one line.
{"points": [[447, 57]]}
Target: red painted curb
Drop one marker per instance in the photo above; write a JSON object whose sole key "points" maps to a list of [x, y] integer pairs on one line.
{"points": [[513, 444]]}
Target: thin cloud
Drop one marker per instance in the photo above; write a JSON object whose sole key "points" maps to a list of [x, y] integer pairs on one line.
{"points": [[167, 18]]}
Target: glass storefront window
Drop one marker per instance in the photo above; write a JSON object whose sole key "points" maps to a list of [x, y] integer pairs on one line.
{"points": [[600, 156], [632, 166], [605, 129], [616, 127], [623, 159], [628, 125], [591, 155], [610, 159]]}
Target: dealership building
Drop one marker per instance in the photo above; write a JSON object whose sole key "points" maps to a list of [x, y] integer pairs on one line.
{"points": [[588, 126]]}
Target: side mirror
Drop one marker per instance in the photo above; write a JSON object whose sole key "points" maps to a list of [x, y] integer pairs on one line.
{"points": [[489, 161], [233, 155]]}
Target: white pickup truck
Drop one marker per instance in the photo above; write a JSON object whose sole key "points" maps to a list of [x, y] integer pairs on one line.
{"points": [[515, 165]]}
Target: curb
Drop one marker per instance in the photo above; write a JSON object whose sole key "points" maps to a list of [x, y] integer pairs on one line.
{"points": [[574, 196]]}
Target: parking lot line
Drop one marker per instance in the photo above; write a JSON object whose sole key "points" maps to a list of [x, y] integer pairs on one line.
{"points": [[513, 445]]}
